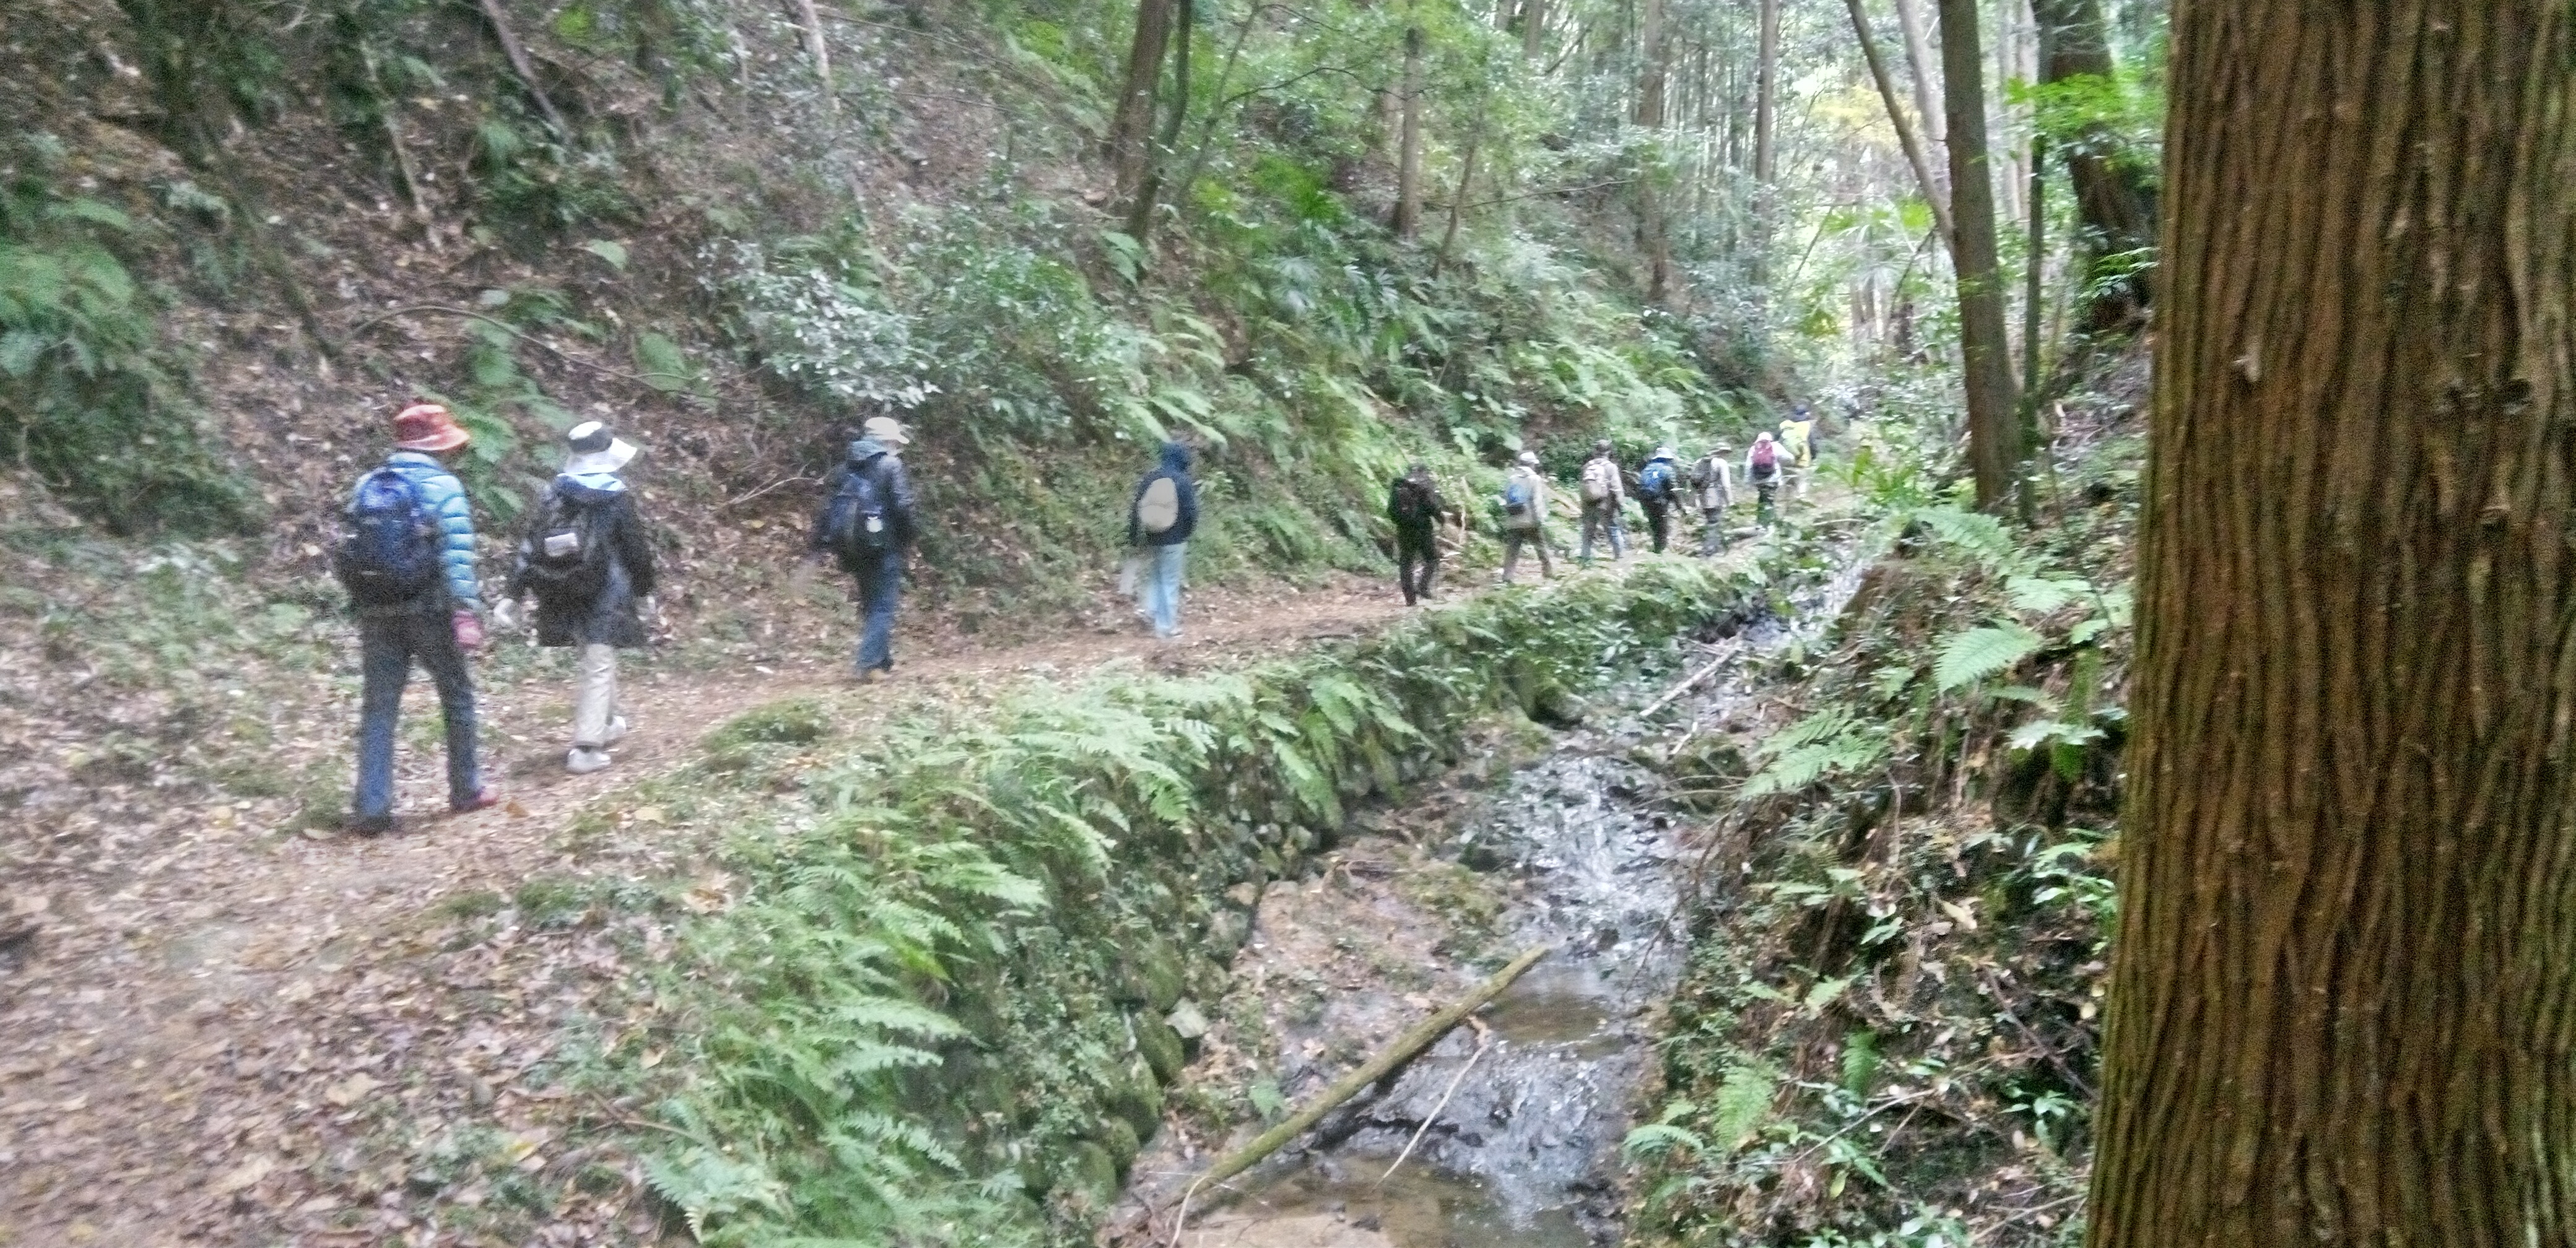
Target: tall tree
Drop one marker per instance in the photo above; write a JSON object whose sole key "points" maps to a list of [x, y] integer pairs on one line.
{"points": [[1919, 59], [1994, 435], [2113, 187], [1131, 124], [1766, 94], [2344, 999], [1408, 160], [1915, 155], [1654, 227], [1158, 157]]}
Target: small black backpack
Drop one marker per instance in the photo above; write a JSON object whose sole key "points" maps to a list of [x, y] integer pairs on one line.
{"points": [[567, 561], [855, 522]]}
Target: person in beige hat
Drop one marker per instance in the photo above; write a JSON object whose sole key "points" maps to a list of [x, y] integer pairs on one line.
{"points": [[868, 522]]}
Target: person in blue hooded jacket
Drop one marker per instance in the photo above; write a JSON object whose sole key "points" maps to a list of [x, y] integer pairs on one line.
{"points": [[590, 563], [435, 627], [872, 476], [1160, 519]]}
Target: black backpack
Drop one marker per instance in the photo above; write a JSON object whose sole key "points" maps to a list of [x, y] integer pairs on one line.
{"points": [[567, 560], [855, 523], [388, 555], [1416, 504]]}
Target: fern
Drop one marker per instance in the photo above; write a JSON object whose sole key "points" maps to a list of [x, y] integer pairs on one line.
{"points": [[1982, 652], [1744, 1103]]}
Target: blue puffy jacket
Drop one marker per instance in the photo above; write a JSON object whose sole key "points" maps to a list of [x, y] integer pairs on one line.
{"points": [[441, 495]]}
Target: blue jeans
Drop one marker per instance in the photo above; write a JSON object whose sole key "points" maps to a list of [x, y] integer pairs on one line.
{"points": [[1163, 589], [880, 587], [387, 648]]}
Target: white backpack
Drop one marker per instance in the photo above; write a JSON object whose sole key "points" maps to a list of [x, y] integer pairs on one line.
{"points": [[1160, 508], [1600, 481]]}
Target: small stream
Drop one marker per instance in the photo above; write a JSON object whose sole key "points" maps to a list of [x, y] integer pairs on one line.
{"points": [[1522, 1150]]}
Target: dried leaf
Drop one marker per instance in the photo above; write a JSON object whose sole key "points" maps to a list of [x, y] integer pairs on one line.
{"points": [[351, 1090], [244, 1176]]}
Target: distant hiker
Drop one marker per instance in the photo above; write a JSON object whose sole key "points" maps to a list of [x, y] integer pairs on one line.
{"points": [[407, 561], [1713, 483], [1524, 509], [1797, 438], [1659, 486], [1763, 466], [868, 524], [1160, 519], [1414, 506], [1603, 493], [586, 558]]}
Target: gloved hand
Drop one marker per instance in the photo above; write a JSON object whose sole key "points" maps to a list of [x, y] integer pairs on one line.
{"points": [[469, 629], [505, 614]]}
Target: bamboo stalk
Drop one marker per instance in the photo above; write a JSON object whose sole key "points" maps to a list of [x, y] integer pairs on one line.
{"points": [[1405, 1046]]}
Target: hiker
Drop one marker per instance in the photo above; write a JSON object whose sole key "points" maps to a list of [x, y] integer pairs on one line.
{"points": [[407, 560], [586, 558], [868, 524], [1160, 518], [1797, 438], [1524, 509], [1603, 492], [1763, 466], [1659, 486], [1713, 481], [1414, 505]]}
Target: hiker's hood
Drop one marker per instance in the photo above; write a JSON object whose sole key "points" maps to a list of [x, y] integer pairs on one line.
{"points": [[1176, 457], [589, 487], [866, 449]]}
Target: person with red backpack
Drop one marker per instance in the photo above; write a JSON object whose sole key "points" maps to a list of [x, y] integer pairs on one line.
{"points": [[868, 523], [1764, 465], [407, 560], [587, 559]]}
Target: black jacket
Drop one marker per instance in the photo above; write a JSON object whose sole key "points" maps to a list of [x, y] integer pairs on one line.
{"points": [[611, 618], [1415, 507], [894, 490]]}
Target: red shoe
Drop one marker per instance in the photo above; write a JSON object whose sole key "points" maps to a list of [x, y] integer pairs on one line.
{"points": [[484, 799]]}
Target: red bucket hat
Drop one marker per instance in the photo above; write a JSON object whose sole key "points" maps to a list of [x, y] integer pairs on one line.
{"points": [[428, 427]]}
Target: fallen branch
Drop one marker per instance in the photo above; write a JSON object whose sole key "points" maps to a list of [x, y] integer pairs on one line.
{"points": [[1484, 1037], [1350, 1085], [1687, 685], [641, 379], [2046, 1049], [525, 68]]}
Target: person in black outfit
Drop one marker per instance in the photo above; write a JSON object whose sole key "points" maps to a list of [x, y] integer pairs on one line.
{"points": [[588, 592], [878, 568], [1415, 506]]}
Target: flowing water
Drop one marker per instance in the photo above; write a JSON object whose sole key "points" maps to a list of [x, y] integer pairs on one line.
{"points": [[1526, 1121]]}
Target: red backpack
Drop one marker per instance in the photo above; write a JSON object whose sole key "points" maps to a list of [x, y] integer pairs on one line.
{"points": [[1766, 459]]}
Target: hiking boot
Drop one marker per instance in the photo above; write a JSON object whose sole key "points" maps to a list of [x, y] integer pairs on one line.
{"points": [[369, 825], [484, 799], [582, 762]]}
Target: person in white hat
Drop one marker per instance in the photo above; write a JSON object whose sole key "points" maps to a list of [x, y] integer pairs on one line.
{"points": [[588, 560]]}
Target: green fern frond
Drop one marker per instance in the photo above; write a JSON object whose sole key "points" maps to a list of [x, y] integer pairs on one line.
{"points": [[1982, 652]]}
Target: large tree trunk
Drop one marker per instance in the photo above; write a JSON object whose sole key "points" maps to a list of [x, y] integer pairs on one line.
{"points": [[1654, 232], [2112, 186], [1408, 161], [1994, 436], [1131, 125], [2342, 1002], [1766, 94]]}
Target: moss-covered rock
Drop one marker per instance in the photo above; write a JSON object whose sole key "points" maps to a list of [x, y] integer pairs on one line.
{"points": [[1162, 1048]]}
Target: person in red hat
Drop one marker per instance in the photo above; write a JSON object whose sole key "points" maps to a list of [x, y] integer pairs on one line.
{"points": [[408, 563]]}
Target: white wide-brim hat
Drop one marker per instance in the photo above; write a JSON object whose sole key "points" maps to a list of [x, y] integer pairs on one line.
{"points": [[595, 450]]}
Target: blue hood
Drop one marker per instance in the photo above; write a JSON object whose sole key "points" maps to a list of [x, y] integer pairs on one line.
{"points": [[866, 449], [1176, 457]]}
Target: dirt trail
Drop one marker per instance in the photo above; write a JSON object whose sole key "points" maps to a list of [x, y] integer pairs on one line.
{"points": [[198, 1042]]}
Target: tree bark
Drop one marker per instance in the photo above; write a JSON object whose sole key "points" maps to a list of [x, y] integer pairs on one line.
{"points": [[2113, 195], [1131, 124], [1140, 213], [1533, 28], [1994, 434], [1915, 155], [2342, 1002], [1766, 94], [1654, 226], [1408, 161]]}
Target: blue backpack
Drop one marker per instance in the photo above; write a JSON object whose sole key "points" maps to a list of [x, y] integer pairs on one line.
{"points": [[1656, 480], [854, 522], [389, 555], [1516, 495]]}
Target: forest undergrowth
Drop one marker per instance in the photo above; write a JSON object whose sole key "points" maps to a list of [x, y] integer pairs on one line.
{"points": [[1887, 1033]]}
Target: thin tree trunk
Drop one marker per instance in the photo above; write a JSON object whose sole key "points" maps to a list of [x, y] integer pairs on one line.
{"points": [[1766, 94], [524, 67], [1408, 161], [1131, 124], [1994, 433], [1140, 215], [1533, 28], [2112, 195], [2343, 1001], [1918, 58], [1458, 197], [1654, 228], [821, 49], [1915, 155]]}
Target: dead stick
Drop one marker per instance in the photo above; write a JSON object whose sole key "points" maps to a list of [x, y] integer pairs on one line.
{"points": [[1484, 1037], [1350, 1085], [1686, 686], [526, 69]]}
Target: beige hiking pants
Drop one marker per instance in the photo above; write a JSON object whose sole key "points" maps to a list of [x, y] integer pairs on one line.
{"points": [[594, 697]]}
